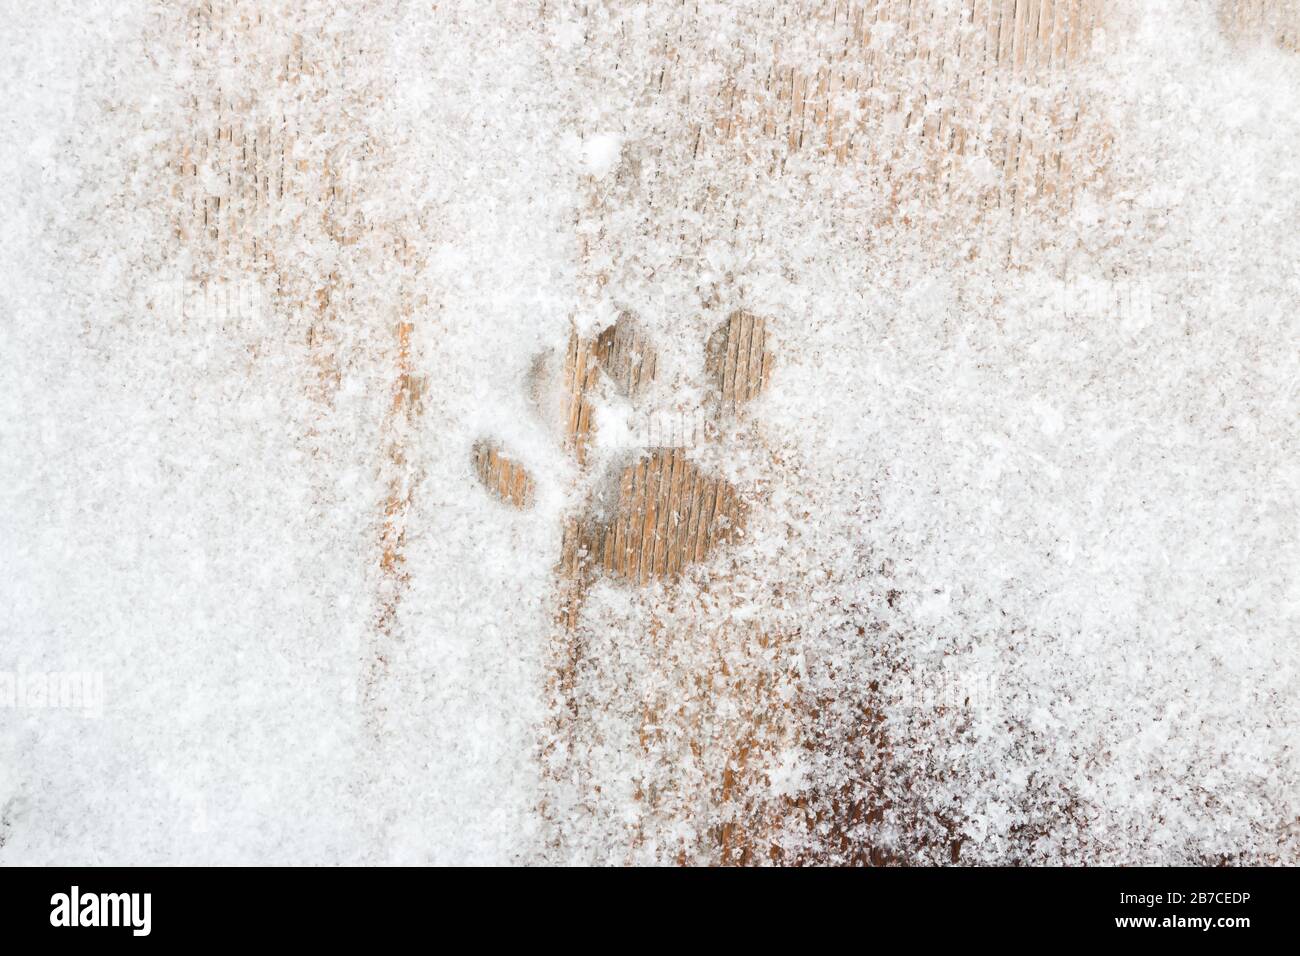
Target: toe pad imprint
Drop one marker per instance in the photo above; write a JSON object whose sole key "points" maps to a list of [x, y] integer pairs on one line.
{"points": [[626, 356], [503, 477], [738, 361], [622, 353]]}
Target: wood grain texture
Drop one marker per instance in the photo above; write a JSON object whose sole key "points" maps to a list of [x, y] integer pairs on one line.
{"points": [[738, 361], [275, 158], [917, 90], [504, 478], [656, 517], [626, 356], [670, 514], [961, 117], [1252, 21]]}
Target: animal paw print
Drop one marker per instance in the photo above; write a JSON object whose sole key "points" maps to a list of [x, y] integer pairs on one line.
{"points": [[651, 517], [648, 515]]}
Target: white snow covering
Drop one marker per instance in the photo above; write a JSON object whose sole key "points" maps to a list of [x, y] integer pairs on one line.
{"points": [[1027, 492]]}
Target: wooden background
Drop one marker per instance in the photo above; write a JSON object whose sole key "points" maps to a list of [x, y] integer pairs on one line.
{"points": [[1000, 79]]}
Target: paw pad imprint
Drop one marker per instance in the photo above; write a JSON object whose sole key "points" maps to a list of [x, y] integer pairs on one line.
{"points": [[501, 476], [669, 513]]}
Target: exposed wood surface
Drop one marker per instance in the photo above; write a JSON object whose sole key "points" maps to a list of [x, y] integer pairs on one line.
{"points": [[253, 182], [899, 133], [956, 111], [959, 111], [912, 89], [503, 477], [1276, 21], [930, 85], [626, 355], [402, 416], [739, 361]]}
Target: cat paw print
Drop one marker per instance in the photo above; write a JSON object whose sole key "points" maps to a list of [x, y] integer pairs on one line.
{"points": [[649, 514]]}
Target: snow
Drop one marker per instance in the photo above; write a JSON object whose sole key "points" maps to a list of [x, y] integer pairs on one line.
{"points": [[1024, 490], [600, 154]]}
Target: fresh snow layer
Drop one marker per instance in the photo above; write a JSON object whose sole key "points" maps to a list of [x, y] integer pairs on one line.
{"points": [[1026, 491]]}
